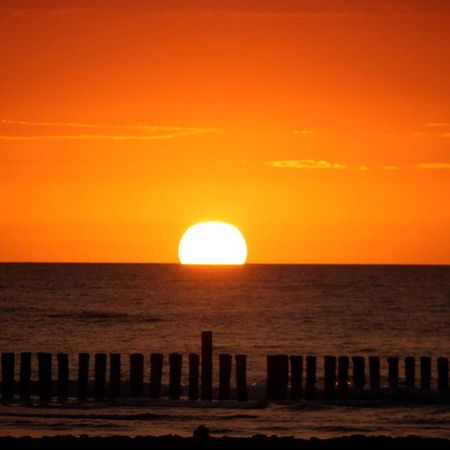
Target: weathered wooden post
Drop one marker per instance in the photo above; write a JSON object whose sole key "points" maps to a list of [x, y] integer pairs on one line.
{"points": [[136, 375], [342, 378], [63, 376], [442, 369], [410, 372], [393, 372], [25, 376], [114, 374], [296, 376], [83, 376], [225, 362], [194, 365], [45, 376], [277, 377], [99, 376], [425, 373], [310, 388], [329, 386], [207, 367], [8, 361], [156, 365], [374, 372], [241, 377], [359, 376], [175, 365]]}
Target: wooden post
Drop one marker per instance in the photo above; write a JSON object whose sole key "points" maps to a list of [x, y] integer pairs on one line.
{"points": [[136, 375], [25, 376], [342, 378], [374, 372], [296, 376], [425, 373], [311, 363], [45, 376], [241, 377], [442, 368], [410, 372], [114, 374], [83, 376], [225, 362], [277, 377], [156, 364], [8, 361], [359, 376], [207, 368], [194, 365], [100, 376], [175, 365], [393, 372], [329, 387], [63, 376]]}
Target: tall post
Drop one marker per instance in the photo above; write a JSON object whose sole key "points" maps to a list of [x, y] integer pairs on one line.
{"points": [[277, 377], [342, 378], [359, 376], [393, 372], [100, 376], [225, 362], [63, 376], [156, 364], [207, 368], [329, 389], [374, 372], [241, 377], [45, 376], [114, 374], [311, 364], [175, 365], [296, 376], [194, 365], [425, 373], [83, 376], [25, 376], [8, 362], [410, 372], [136, 375], [442, 368]]}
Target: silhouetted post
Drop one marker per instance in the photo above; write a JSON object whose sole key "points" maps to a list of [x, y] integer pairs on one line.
{"points": [[8, 376], [156, 364], [410, 372], [277, 377], [45, 376], [311, 364], [442, 368], [25, 376], [136, 375], [342, 378], [83, 375], [374, 372], [114, 374], [296, 376], [393, 372], [241, 377], [194, 366], [100, 376], [63, 376], [359, 376], [224, 376], [425, 373], [175, 365], [207, 368], [329, 387]]}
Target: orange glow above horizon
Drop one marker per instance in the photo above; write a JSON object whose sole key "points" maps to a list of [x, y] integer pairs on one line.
{"points": [[322, 134]]}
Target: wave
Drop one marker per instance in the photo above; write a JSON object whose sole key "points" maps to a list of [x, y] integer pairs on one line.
{"points": [[104, 316]]}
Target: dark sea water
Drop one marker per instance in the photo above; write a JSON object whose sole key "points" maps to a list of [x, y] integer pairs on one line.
{"points": [[253, 309]]}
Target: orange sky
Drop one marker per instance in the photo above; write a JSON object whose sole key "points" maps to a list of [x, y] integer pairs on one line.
{"points": [[321, 131]]}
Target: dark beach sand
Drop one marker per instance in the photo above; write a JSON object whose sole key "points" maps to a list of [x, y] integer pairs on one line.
{"points": [[254, 443]]}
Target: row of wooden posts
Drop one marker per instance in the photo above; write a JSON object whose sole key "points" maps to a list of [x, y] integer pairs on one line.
{"points": [[280, 369]]}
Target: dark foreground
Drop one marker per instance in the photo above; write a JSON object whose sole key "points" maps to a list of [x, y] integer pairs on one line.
{"points": [[256, 442]]}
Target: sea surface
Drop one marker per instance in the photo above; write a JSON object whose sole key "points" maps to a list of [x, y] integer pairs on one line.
{"points": [[256, 310]]}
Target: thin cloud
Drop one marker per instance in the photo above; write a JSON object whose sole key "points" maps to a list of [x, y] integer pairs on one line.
{"points": [[433, 166], [437, 125], [305, 164], [390, 168], [305, 132]]}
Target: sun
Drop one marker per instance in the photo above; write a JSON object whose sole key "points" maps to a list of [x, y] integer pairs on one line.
{"points": [[212, 243]]}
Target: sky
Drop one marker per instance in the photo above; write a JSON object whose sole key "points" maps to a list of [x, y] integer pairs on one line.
{"points": [[321, 129]]}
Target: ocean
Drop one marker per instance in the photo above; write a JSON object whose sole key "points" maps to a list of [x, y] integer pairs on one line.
{"points": [[255, 310]]}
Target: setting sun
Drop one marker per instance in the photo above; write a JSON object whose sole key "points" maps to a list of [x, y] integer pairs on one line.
{"points": [[212, 243]]}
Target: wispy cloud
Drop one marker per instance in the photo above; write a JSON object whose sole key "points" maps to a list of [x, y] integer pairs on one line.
{"points": [[304, 132], [142, 132], [437, 124], [433, 166], [305, 164]]}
